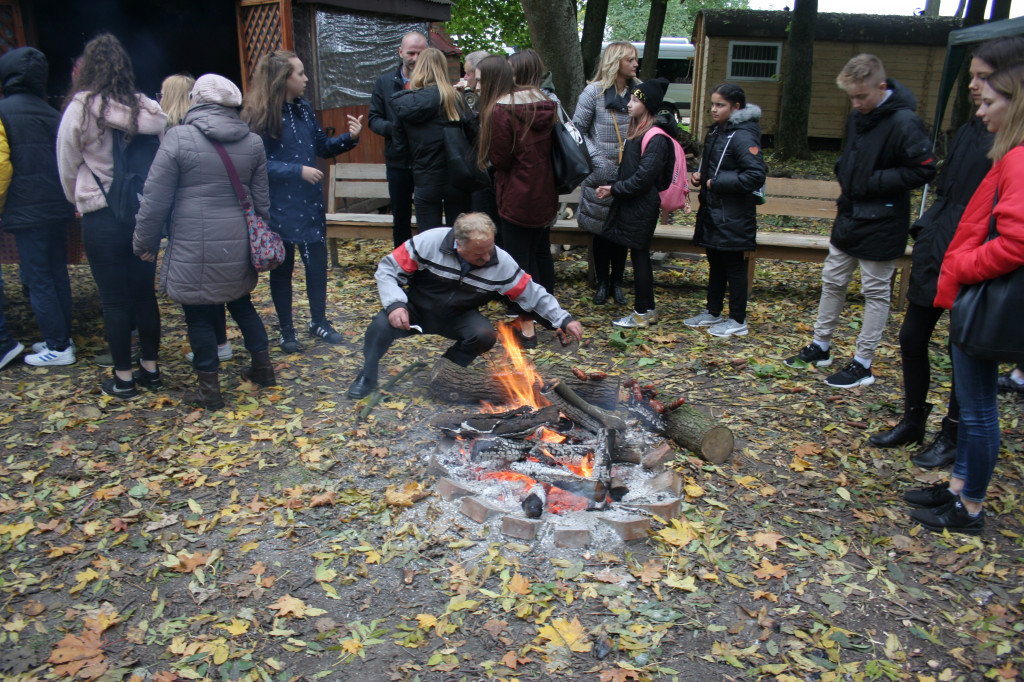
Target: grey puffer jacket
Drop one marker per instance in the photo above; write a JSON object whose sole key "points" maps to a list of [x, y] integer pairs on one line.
{"points": [[598, 114], [207, 258]]}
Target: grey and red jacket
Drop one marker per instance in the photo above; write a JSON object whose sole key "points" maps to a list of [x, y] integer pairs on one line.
{"points": [[427, 273]]}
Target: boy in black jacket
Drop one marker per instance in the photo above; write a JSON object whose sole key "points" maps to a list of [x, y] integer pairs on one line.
{"points": [[887, 154]]}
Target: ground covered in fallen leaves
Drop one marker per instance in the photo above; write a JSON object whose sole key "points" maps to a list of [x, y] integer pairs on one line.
{"points": [[286, 538]]}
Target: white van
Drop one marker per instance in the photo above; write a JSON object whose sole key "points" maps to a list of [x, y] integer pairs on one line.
{"points": [[675, 63]]}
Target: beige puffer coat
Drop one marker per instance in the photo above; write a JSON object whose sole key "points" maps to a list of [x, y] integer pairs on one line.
{"points": [[207, 258]]}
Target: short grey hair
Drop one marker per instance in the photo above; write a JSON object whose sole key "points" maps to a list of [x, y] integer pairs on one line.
{"points": [[470, 226], [473, 59]]}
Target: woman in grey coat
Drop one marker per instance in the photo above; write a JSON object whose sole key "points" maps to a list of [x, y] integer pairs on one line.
{"points": [[207, 260], [602, 118]]}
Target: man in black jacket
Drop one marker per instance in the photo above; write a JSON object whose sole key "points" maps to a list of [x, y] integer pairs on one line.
{"points": [[887, 154], [34, 208], [382, 121]]}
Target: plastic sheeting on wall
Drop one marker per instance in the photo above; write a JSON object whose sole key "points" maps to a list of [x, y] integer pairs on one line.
{"points": [[353, 50]]}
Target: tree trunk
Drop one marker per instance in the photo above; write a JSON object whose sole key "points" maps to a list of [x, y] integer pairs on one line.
{"points": [[593, 32], [699, 433], [652, 39], [1000, 10], [553, 30], [931, 8], [963, 105], [791, 140]]}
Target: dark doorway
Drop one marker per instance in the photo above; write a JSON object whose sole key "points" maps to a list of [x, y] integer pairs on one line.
{"points": [[163, 37]]}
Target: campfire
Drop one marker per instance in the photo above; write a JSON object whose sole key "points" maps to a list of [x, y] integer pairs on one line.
{"points": [[555, 450]]}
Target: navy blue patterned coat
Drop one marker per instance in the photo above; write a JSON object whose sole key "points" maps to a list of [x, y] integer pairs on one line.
{"points": [[296, 206]]}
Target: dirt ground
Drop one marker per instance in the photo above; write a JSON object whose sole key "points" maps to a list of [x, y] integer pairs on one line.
{"points": [[278, 539]]}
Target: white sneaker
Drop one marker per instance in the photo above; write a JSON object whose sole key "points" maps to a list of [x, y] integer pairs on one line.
{"points": [[704, 319], [729, 327], [40, 346], [223, 353], [12, 352], [51, 358]]}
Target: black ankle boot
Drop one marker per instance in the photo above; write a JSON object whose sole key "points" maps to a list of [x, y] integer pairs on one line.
{"points": [[942, 450], [620, 298], [601, 295], [909, 430]]}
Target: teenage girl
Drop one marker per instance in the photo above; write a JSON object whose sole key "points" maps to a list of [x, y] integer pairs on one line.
{"points": [[516, 122], [275, 110], [731, 169], [636, 204]]}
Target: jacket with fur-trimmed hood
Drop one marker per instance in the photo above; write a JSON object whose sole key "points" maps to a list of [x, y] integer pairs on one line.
{"points": [[732, 161], [83, 148], [207, 259], [520, 150]]}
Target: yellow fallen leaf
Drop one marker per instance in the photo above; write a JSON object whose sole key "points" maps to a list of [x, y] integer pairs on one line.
{"points": [[687, 584], [236, 626], [352, 646], [289, 605], [194, 506], [405, 495], [566, 633], [519, 585], [426, 621], [770, 540]]}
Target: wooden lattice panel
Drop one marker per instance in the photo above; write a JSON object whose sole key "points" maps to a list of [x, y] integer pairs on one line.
{"points": [[12, 29], [263, 26]]}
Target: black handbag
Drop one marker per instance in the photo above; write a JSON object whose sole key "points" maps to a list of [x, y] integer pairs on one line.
{"points": [[570, 157], [463, 171], [986, 320]]}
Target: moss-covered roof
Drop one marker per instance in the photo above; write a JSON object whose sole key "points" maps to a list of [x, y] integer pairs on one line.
{"points": [[833, 27]]}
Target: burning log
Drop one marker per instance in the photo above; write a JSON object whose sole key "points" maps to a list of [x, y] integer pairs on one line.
{"points": [[453, 384], [698, 432], [590, 417], [590, 488], [518, 423]]}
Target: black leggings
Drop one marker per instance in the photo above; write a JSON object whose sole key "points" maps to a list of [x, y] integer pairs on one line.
{"points": [[915, 334], [609, 260], [126, 288], [727, 267], [314, 257]]}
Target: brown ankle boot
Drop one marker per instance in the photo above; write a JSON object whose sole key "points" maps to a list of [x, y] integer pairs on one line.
{"points": [[261, 372], [209, 390]]}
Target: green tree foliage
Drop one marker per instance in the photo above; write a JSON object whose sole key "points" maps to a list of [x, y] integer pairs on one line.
{"points": [[488, 25], [627, 19]]}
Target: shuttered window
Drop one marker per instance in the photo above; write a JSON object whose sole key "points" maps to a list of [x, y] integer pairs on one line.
{"points": [[754, 61]]}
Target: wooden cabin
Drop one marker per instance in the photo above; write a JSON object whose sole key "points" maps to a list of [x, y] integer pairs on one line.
{"points": [[748, 47], [344, 44]]}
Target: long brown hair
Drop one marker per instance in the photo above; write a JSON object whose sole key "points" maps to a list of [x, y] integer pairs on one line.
{"points": [[528, 67], [105, 71], [267, 90], [496, 81], [1009, 83], [432, 69], [639, 126]]}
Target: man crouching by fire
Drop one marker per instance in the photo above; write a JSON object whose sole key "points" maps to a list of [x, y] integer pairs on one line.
{"points": [[435, 282]]}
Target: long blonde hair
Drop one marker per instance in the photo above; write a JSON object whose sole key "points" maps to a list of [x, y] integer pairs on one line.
{"points": [[175, 97], [1009, 82], [432, 69], [269, 86], [608, 68]]}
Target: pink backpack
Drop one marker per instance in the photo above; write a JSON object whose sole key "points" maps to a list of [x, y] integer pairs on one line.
{"points": [[674, 197]]}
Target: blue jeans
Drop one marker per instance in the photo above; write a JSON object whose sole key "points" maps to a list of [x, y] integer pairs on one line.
{"points": [[314, 257], [977, 445], [126, 284], [43, 254]]}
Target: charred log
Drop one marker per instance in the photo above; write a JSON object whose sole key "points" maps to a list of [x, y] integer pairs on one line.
{"points": [[453, 384], [590, 417], [535, 502], [518, 423]]}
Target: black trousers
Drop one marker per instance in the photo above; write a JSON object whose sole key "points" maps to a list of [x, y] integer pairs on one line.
{"points": [[203, 322], [727, 267], [400, 189], [609, 260], [433, 202], [314, 257], [125, 282], [915, 335], [473, 334]]}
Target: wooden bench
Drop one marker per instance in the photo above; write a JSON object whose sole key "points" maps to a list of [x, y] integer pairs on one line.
{"points": [[352, 182]]}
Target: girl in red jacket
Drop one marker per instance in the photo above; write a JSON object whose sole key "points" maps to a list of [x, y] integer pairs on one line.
{"points": [[970, 259], [515, 137]]}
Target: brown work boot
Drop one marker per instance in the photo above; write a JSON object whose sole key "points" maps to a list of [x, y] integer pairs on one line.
{"points": [[261, 372], [209, 391]]}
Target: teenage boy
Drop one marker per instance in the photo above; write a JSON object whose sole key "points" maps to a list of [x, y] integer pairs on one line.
{"points": [[887, 154]]}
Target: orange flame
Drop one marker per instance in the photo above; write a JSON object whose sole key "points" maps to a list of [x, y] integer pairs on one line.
{"points": [[585, 468], [546, 435], [561, 501], [510, 476], [520, 380]]}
